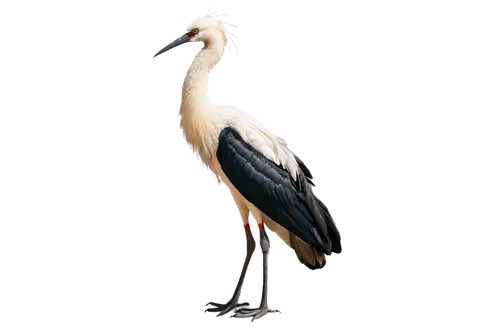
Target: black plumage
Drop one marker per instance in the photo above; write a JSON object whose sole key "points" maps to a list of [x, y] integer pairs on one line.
{"points": [[290, 203]]}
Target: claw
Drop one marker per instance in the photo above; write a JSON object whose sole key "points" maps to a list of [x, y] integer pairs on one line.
{"points": [[214, 305], [216, 308]]}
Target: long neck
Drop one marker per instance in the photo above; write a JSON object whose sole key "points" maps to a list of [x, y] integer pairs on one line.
{"points": [[194, 89], [197, 120]]}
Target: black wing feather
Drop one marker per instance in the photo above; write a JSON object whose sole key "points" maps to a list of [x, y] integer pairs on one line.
{"points": [[272, 189]]}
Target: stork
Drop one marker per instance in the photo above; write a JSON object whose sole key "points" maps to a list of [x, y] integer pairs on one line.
{"points": [[264, 176]]}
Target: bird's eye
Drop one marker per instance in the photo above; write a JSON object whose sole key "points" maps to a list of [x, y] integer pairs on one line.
{"points": [[195, 31]]}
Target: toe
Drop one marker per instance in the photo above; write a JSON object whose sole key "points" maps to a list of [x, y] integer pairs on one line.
{"points": [[245, 310], [247, 313], [274, 310], [242, 308], [212, 304], [214, 307], [261, 314]]}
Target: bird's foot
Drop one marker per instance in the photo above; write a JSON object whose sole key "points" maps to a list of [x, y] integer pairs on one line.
{"points": [[254, 313], [224, 308]]}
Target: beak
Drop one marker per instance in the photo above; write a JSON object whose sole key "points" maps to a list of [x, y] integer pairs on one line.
{"points": [[181, 40]]}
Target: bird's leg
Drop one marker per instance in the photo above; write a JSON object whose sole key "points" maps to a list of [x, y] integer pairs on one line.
{"points": [[263, 308], [233, 302]]}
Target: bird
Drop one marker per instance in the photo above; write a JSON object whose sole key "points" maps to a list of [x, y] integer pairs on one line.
{"points": [[265, 178]]}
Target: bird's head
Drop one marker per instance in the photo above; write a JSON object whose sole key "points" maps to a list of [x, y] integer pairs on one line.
{"points": [[205, 29]]}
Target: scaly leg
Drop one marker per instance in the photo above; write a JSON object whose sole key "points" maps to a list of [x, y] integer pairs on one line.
{"points": [[263, 308], [233, 302]]}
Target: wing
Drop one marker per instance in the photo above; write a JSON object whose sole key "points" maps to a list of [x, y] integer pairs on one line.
{"points": [[273, 190]]}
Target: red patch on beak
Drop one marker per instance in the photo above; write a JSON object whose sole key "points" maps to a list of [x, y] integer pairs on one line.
{"points": [[190, 34]]}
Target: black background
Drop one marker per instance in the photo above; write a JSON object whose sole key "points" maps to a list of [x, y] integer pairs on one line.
{"points": [[296, 75]]}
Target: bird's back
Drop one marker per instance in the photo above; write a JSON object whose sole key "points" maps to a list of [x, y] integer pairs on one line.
{"points": [[259, 137]]}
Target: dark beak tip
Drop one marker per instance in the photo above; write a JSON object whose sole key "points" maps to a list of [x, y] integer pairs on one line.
{"points": [[181, 40]]}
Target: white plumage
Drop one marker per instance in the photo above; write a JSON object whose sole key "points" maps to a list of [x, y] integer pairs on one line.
{"points": [[264, 176], [202, 121]]}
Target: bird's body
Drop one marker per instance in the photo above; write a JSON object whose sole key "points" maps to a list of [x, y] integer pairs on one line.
{"points": [[264, 176], [202, 122]]}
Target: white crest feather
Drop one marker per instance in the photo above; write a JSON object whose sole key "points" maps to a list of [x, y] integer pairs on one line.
{"points": [[233, 29]]}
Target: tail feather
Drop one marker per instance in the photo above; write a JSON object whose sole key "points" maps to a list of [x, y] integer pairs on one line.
{"points": [[310, 257], [307, 255], [324, 220], [333, 232]]}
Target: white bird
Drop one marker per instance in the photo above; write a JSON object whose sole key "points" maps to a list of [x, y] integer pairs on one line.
{"points": [[265, 178]]}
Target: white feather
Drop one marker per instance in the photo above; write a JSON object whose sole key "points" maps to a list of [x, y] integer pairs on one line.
{"points": [[202, 121]]}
